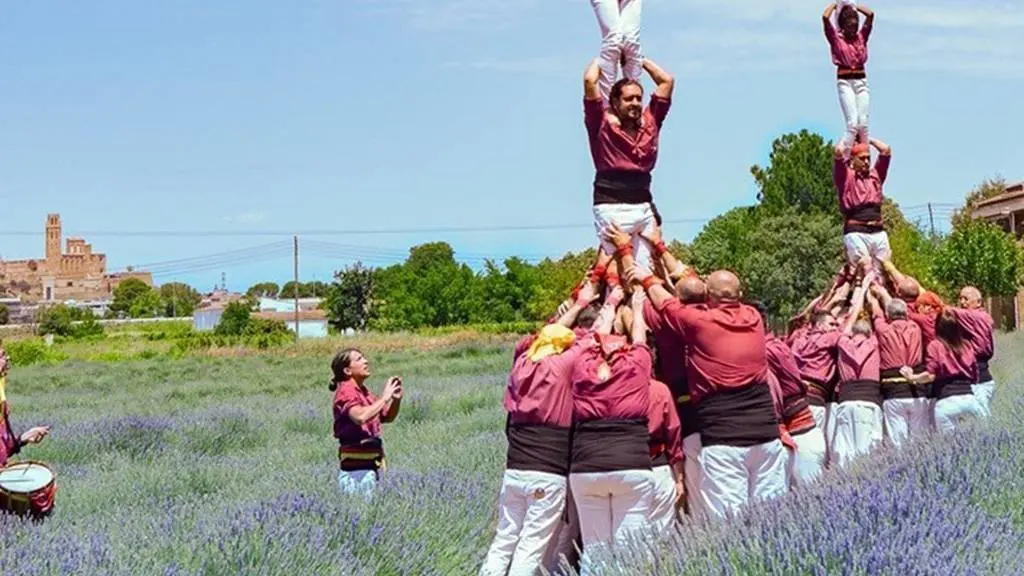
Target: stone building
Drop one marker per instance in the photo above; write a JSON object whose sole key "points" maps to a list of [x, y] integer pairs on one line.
{"points": [[75, 273]]}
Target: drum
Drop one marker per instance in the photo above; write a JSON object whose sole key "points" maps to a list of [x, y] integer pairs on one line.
{"points": [[27, 488]]}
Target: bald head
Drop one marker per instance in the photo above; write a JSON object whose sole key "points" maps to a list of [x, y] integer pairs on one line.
{"points": [[723, 286], [970, 297], [908, 289], [691, 290]]}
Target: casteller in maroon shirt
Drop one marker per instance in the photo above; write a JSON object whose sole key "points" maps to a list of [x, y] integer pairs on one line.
{"points": [[611, 398], [727, 370], [860, 196], [623, 163], [671, 368], [978, 328]]}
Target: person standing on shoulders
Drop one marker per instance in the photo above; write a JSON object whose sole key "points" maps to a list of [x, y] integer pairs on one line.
{"points": [[358, 416], [849, 48], [624, 138], [859, 186]]}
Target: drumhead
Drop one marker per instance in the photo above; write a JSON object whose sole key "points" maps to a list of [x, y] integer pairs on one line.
{"points": [[25, 477]]}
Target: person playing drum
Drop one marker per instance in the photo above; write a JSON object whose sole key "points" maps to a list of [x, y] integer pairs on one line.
{"points": [[358, 415], [11, 443]]}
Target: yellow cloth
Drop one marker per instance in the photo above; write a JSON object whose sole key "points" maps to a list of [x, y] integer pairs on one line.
{"points": [[553, 339], [3, 390]]}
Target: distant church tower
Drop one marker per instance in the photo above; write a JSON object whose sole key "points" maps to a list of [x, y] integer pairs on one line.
{"points": [[53, 241]]}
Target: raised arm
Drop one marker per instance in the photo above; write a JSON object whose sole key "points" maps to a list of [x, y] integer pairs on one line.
{"points": [[826, 21], [869, 20], [857, 303], [653, 287], [590, 78], [639, 332], [883, 148], [606, 317], [663, 80]]}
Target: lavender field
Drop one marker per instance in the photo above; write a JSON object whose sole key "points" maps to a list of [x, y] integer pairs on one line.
{"points": [[227, 466]]}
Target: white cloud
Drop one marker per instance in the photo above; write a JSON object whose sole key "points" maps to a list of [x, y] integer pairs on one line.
{"points": [[247, 218]]}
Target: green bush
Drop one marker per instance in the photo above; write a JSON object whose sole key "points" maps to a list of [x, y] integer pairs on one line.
{"points": [[32, 351]]}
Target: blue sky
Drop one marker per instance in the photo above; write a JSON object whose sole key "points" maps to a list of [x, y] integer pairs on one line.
{"points": [[408, 114]]}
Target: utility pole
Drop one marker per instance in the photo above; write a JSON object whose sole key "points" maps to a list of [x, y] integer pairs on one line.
{"points": [[295, 260], [931, 219]]}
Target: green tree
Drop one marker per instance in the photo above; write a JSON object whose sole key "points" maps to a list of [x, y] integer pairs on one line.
{"points": [[147, 305], [724, 243], [179, 299], [799, 174], [913, 250], [126, 293], [67, 321], [796, 256], [989, 188], [982, 255], [504, 295], [265, 289], [350, 297], [235, 319], [557, 278], [317, 289]]}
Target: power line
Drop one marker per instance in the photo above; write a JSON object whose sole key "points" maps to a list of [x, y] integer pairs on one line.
{"points": [[338, 232]]}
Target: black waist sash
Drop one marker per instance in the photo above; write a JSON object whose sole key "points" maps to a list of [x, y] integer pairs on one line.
{"points": [[954, 387], [622, 187], [538, 448], [738, 417], [895, 386], [819, 393], [660, 460], [862, 391], [689, 419], [865, 219], [983, 372], [610, 446], [793, 406]]}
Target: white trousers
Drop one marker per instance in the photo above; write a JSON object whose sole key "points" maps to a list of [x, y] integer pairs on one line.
{"points": [[874, 246], [359, 482], [905, 418], [691, 474], [854, 98], [566, 535], [530, 509], [955, 410], [859, 429], [633, 219], [824, 421], [733, 477], [807, 462], [619, 21], [663, 504], [613, 508], [983, 393]]}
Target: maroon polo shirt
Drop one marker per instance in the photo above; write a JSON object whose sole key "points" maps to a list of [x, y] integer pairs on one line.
{"points": [[611, 148]]}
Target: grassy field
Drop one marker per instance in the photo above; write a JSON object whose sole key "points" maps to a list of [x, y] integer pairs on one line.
{"points": [[224, 463]]}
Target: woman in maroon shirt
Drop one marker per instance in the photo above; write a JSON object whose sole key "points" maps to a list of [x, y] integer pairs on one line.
{"points": [[951, 368], [358, 415], [11, 443]]}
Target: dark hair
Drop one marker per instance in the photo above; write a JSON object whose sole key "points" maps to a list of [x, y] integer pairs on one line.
{"points": [[848, 13], [949, 331], [586, 318], [341, 362], [615, 94]]}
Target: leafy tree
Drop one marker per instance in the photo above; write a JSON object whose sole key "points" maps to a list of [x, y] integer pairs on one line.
{"points": [[989, 188], [126, 293], [913, 250], [349, 297], [429, 289], [796, 256], [317, 289], [557, 278], [68, 321], [5, 314], [264, 289], [147, 305], [179, 299], [235, 319], [724, 242], [799, 174], [505, 295], [983, 255]]}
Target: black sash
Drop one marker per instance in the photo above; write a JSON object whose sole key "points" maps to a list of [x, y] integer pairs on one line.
{"points": [[610, 446], [947, 388], [538, 448], [862, 218], [983, 373], [622, 187], [861, 390], [660, 460], [739, 417], [895, 386]]}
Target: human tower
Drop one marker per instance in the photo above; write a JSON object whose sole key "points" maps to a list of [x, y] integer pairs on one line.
{"points": [[654, 392]]}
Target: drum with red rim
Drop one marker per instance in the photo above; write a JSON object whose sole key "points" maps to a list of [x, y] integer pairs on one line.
{"points": [[27, 488]]}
